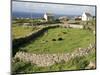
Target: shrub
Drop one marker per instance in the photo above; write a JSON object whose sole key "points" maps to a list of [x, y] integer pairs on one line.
{"points": [[79, 62], [64, 32], [82, 64], [22, 67], [53, 39], [60, 39], [46, 41]]}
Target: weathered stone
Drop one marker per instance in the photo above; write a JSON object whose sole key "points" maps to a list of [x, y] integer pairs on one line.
{"points": [[91, 65], [50, 59]]}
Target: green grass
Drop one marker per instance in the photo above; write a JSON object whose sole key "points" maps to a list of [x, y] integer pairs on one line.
{"points": [[72, 39], [20, 31]]}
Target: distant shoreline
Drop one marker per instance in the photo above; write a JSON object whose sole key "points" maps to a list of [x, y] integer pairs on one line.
{"points": [[37, 15]]}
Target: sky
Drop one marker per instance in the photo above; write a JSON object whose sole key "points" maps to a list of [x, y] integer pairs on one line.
{"points": [[34, 7]]}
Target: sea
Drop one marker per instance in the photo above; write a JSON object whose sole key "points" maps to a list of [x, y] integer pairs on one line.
{"points": [[38, 15]]}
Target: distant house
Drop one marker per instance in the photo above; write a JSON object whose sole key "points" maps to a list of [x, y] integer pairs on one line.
{"points": [[86, 16], [78, 18], [48, 17], [63, 18]]}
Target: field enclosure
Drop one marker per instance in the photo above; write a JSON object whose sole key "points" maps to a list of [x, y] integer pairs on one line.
{"points": [[59, 40], [50, 37]]}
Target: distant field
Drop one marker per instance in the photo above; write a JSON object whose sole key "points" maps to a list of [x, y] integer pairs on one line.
{"points": [[59, 40], [20, 31]]}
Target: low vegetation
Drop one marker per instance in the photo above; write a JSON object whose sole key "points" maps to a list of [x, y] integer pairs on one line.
{"points": [[20, 31], [56, 40]]}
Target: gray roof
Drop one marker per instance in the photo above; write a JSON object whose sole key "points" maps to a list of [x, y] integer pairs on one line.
{"points": [[49, 14], [63, 17], [88, 14]]}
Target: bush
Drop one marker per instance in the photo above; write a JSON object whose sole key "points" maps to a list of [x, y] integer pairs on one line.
{"points": [[64, 32], [16, 67], [79, 62], [53, 39], [60, 39], [82, 64], [22, 67], [57, 21]]}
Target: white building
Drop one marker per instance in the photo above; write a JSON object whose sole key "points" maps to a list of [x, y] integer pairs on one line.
{"points": [[48, 17], [86, 16]]}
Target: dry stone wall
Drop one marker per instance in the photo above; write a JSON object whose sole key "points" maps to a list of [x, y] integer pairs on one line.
{"points": [[32, 36], [50, 59]]}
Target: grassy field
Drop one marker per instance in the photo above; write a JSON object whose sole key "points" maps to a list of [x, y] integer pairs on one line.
{"points": [[57, 40], [60, 40], [20, 31]]}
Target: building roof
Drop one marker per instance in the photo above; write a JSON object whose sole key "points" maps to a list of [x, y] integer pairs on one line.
{"points": [[88, 14], [49, 14], [63, 17]]}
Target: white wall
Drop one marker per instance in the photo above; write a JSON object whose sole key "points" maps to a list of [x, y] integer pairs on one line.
{"points": [[45, 17], [84, 17]]}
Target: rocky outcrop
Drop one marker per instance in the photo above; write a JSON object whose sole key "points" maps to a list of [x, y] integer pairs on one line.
{"points": [[50, 59]]}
